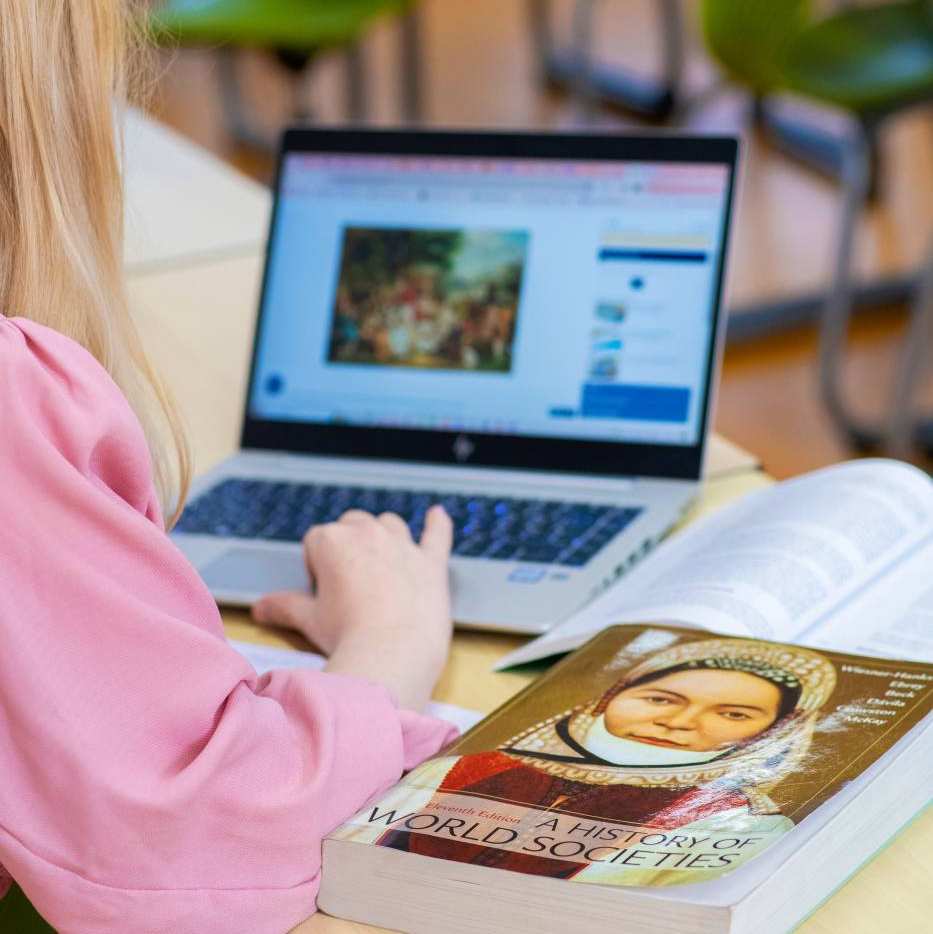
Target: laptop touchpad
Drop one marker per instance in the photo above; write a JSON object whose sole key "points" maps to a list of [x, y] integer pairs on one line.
{"points": [[256, 571]]}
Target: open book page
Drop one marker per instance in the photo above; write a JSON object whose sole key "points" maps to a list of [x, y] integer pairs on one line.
{"points": [[266, 658], [891, 619], [773, 565]]}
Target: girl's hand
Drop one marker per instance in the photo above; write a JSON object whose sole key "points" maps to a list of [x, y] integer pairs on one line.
{"points": [[377, 593]]}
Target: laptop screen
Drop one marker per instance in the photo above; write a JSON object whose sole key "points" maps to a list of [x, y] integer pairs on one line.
{"points": [[546, 298]]}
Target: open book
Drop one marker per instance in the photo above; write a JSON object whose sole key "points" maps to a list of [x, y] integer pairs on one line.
{"points": [[840, 558]]}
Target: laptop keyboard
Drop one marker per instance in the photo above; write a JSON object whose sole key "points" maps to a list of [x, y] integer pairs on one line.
{"points": [[505, 529]]}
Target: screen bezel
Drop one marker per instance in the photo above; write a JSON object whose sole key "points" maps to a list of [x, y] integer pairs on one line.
{"points": [[522, 452]]}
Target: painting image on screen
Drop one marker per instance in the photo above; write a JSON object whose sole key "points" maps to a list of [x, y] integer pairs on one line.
{"points": [[429, 298]]}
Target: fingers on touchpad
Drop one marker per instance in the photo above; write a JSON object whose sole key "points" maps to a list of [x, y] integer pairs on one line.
{"points": [[256, 570]]}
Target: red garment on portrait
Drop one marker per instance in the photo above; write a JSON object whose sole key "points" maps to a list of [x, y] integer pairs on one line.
{"points": [[501, 777]]}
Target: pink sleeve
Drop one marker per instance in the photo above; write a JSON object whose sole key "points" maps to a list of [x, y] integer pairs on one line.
{"points": [[150, 780]]}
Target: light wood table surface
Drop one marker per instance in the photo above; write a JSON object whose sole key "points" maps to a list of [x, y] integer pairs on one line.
{"points": [[196, 308], [183, 204], [198, 320]]}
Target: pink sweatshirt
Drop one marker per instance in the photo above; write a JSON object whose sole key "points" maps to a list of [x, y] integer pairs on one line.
{"points": [[150, 781]]}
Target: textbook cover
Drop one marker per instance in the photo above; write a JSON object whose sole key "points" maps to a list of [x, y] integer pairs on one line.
{"points": [[653, 756]]}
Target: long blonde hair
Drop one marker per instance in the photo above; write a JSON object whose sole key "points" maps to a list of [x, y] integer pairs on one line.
{"points": [[62, 74]]}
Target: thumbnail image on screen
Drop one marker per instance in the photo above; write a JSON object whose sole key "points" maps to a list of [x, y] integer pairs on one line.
{"points": [[428, 298]]}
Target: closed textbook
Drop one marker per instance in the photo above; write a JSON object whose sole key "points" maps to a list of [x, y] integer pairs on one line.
{"points": [[657, 779]]}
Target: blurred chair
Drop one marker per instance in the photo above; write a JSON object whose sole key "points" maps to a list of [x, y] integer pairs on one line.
{"points": [[17, 916], [908, 428], [295, 32], [573, 67], [872, 62]]}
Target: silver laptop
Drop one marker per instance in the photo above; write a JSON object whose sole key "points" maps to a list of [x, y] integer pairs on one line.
{"points": [[522, 327]]}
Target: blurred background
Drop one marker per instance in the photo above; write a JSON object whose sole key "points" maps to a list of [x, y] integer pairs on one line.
{"points": [[830, 278]]}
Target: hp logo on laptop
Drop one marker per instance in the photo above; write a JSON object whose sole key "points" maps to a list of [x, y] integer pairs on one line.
{"points": [[463, 448]]}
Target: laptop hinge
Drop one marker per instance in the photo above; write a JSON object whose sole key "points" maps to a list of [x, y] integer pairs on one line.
{"points": [[424, 473]]}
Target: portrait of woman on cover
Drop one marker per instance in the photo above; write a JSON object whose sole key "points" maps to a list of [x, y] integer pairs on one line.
{"points": [[690, 739]]}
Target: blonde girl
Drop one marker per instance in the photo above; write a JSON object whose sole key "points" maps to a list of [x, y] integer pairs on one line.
{"points": [[149, 780]]}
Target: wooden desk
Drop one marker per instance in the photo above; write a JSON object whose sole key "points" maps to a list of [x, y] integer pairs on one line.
{"points": [[183, 205], [198, 319], [197, 314]]}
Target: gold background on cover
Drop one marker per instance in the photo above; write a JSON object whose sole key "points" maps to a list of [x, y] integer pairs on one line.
{"points": [[839, 750]]}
